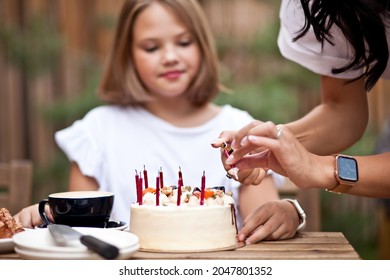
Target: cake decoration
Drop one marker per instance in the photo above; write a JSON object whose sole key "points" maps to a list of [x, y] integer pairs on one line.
{"points": [[186, 218]]}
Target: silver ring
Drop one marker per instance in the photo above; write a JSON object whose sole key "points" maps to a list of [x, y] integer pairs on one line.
{"points": [[228, 175], [279, 132]]}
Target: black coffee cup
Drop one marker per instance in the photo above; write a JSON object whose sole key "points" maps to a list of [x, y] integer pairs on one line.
{"points": [[78, 208]]}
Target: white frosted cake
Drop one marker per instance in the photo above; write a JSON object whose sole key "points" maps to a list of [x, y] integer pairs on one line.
{"points": [[187, 227]]}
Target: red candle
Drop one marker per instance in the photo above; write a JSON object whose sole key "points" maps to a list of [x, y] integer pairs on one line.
{"points": [[161, 178], [203, 189], [140, 191], [139, 195], [180, 175], [146, 178], [180, 184], [157, 191], [227, 154]]}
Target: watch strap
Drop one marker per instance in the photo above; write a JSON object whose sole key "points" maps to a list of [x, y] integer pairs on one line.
{"points": [[300, 211], [341, 187]]}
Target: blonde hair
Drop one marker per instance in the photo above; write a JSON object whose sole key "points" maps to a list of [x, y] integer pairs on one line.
{"points": [[121, 83]]}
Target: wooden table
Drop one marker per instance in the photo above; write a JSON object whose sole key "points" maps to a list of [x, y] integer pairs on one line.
{"points": [[306, 245]]}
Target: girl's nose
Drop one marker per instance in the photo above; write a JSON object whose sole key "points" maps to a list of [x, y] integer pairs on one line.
{"points": [[170, 56]]}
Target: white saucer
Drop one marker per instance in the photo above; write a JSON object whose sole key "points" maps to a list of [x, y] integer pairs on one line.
{"points": [[118, 225], [112, 224], [39, 244]]}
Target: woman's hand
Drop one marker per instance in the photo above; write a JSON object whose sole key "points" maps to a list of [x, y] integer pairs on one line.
{"points": [[281, 152], [252, 176]]}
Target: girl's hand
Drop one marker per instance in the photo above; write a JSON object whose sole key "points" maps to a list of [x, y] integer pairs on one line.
{"points": [[273, 220], [29, 217]]}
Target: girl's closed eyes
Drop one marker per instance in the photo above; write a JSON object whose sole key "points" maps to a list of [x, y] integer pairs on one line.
{"points": [[152, 45]]}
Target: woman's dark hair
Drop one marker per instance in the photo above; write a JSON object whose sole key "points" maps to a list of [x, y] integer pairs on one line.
{"points": [[363, 23]]}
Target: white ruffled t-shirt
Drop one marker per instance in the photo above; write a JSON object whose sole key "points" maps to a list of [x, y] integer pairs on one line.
{"points": [[111, 142], [307, 51]]}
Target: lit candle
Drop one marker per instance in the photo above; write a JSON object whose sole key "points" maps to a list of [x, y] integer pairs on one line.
{"points": [[158, 190], [146, 178], [180, 184], [161, 178], [202, 189]]}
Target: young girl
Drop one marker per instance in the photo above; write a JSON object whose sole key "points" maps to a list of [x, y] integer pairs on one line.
{"points": [[161, 76]]}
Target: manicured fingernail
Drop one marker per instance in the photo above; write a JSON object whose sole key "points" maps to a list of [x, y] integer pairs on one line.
{"points": [[252, 138], [234, 172], [230, 159], [217, 141], [233, 145], [244, 140]]}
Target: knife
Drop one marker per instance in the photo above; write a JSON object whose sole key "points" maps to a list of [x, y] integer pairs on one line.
{"points": [[63, 234]]}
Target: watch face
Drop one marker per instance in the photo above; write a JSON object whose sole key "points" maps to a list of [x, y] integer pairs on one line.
{"points": [[347, 169]]}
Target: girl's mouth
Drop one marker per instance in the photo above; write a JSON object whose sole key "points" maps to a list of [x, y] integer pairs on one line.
{"points": [[172, 75]]}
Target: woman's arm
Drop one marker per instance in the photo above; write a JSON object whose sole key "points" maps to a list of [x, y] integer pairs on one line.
{"points": [[374, 176], [338, 122], [287, 156]]}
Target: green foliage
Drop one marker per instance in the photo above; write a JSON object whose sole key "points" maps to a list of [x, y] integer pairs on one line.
{"points": [[56, 172], [65, 111], [269, 100], [365, 146], [34, 48], [265, 43]]}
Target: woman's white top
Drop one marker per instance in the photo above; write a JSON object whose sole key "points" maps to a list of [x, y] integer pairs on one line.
{"points": [[110, 143], [308, 52]]}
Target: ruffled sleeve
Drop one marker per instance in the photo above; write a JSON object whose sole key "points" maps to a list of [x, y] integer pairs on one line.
{"points": [[80, 144]]}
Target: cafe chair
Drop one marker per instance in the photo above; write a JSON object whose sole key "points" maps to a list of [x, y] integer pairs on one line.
{"points": [[15, 184]]}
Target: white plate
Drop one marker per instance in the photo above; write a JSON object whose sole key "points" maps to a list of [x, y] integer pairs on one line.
{"points": [[37, 255], [6, 245], [39, 242]]}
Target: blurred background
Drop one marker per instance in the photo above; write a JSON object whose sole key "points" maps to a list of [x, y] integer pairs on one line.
{"points": [[51, 57]]}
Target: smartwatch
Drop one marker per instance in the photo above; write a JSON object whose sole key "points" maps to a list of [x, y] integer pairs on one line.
{"points": [[301, 213], [346, 173]]}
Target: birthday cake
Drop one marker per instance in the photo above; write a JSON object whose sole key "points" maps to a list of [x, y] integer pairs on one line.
{"points": [[184, 219]]}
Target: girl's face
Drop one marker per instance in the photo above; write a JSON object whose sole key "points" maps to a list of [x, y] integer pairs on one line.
{"points": [[165, 53]]}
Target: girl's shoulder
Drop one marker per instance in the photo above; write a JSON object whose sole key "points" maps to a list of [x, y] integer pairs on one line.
{"points": [[231, 112], [234, 118], [111, 111]]}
